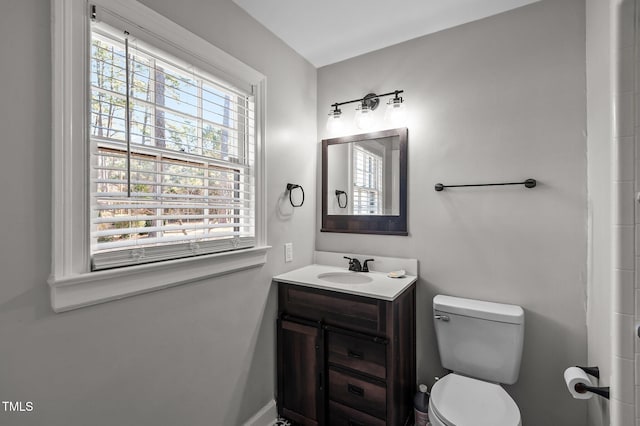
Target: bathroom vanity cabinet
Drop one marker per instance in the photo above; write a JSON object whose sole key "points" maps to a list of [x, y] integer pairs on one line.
{"points": [[344, 359]]}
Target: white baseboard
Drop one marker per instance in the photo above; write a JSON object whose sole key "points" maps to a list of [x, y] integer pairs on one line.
{"points": [[266, 416]]}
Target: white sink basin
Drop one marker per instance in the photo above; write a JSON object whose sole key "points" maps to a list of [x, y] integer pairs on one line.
{"points": [[345, 277]]}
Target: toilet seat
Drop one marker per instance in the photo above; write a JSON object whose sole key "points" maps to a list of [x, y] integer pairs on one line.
{"points": [[462, 401]]}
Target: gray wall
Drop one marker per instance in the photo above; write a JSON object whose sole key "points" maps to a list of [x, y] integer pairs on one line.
{"points": [[338, 159], [198, 354], [598, 43], [495, 100]]}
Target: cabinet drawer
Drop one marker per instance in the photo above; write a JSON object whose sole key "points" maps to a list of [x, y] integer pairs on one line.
{"points": [[339, 415], [341, 310], [362, 395], [366, 355]]}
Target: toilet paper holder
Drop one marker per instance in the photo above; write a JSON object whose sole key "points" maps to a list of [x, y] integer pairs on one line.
{"points": [[592, 371], [582, 388]]}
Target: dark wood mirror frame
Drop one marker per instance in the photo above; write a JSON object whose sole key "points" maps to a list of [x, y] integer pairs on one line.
{"points": [[367, 224]]}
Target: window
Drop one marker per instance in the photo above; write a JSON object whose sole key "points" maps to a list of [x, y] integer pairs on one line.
{"points": [[165, 131], [367, 182], [172, 163]]}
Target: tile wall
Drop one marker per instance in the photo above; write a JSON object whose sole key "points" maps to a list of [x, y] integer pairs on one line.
{"points": [[625, 383], [629, 64]]}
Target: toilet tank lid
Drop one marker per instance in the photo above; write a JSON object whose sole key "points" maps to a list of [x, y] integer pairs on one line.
{"points": [[491, 311]]}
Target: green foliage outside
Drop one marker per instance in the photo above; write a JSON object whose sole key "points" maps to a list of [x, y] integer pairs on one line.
{"points": [[155, 94]]}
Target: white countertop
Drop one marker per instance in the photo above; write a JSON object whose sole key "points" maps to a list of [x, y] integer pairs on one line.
{"points": [[381, 286]]}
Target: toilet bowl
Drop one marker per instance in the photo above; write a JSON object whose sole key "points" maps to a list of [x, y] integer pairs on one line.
{"points": [[481, 344], [462, 401]]}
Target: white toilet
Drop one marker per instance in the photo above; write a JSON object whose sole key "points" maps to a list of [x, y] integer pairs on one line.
{"points": [[481, 343]]}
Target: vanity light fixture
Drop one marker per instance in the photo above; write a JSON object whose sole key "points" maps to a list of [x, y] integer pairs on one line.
{"points": [[364, 116]]}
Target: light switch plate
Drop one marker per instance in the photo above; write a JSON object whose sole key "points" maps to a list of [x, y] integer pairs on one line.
{"points": [[288, 252]]}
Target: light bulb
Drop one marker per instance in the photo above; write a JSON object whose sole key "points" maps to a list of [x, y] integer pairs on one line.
{"points": [[364, 117], [396, 112], [335, 121]]}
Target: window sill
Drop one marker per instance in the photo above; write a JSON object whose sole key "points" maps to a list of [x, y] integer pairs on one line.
{"points": [[91, 288]]}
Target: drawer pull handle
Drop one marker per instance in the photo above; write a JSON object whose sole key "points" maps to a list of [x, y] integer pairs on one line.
{"points": [[352, 422], [355, 390], [355, 354]]}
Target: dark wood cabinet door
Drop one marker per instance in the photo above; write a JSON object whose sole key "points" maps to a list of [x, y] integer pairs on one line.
{"points": [[299, 371]]}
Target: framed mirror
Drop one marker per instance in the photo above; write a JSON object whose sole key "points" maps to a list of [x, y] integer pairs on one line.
{"points": [[364, 183]]}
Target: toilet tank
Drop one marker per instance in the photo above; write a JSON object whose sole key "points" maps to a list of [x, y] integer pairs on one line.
{"points": [[479, 339]]}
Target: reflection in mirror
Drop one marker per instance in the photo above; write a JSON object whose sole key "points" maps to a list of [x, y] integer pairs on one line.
{"points": [[364, 177], [364, 183]]}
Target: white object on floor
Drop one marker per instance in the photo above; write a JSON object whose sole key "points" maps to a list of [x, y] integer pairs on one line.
{"points": [[481, 343], [465, 401]]}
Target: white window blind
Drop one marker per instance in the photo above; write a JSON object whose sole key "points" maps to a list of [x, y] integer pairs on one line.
{"points": [[172, 156], [367, 182]]}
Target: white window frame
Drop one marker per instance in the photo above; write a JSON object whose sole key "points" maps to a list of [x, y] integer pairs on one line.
{"points": [[353, 173], [71, 282]]}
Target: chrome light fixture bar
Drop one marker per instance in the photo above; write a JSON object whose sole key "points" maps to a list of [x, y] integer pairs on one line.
{"points": [[368, 103], [371, 100]]}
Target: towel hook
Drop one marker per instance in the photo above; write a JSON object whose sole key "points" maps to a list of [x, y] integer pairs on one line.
{"points": [[346, 198], [290, 188]]}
